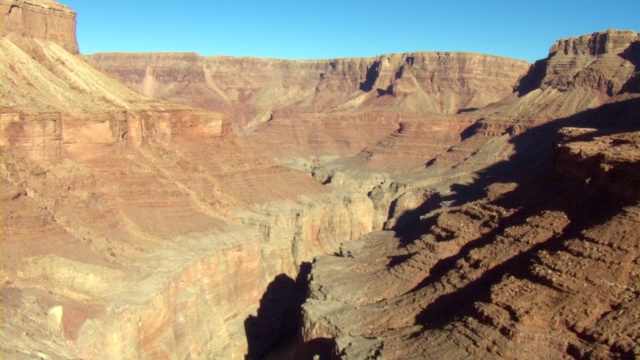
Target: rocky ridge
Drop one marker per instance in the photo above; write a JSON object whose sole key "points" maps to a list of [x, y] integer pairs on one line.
{"points": [[118, 235], [531, 249], [319, 108], [150, 239]]}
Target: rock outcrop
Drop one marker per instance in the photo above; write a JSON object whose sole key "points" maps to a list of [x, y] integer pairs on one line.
{"points": [[128, 221], [250, 89], [536, 269], [579, 73], [137, 228], [40, 19], [302, 109], [521, 252]]}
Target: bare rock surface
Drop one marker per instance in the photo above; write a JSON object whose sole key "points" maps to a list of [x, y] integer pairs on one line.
{"points": [[133, 227], [40, 19], [512, 275], [128, 221], [301, 109]]}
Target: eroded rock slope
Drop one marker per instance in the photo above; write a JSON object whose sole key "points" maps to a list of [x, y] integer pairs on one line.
{"points": [[531, 253], [129, 221]]}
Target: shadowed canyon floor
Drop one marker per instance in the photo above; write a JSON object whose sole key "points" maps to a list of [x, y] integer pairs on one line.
{"points": [[424, 205]]}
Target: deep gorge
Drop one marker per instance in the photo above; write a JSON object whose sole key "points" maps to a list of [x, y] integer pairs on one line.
{"points": [[408, 206]]}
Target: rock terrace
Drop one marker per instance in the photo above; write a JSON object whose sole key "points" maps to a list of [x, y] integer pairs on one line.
{"points": [[179, 206]]}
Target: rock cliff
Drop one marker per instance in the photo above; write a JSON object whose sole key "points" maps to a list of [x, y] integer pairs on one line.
{"points": [[320, 107], [40, 19], [135, 228], [535, 270], [127, 221], [521, 251]]}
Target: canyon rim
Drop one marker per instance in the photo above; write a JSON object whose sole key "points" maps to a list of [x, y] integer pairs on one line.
{"points": [[408, 206]]}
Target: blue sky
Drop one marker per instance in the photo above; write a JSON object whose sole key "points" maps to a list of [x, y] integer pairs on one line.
{"points": [[310, 29]]}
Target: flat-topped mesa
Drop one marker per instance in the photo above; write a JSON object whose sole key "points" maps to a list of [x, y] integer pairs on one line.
{"points": [[602, 61], [580, 73], [40, 19], [598, 43], [249, 90]]}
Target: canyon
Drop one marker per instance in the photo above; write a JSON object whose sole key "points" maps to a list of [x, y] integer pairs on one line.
{"points": [[408, 206]]}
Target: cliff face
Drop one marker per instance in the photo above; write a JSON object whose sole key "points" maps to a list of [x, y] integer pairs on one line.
{"points": [[519, 252], [579, 73], [542, 266], [40, 19], [250, 90], [128, 221], [137, 228]]}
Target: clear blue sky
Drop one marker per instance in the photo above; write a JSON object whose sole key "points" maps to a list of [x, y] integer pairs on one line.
{"points": [[310, 29]]}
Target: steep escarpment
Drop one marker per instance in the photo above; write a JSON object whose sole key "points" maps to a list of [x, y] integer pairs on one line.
{"points": [[543, 266], [129, 221], [579, 73], [317, 107], [137, 228], [412, 82], [522, 251], [40, 19]]}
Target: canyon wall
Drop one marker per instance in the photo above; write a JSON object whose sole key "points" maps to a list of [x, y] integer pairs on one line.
{"points": [[133, 227], [250, 89], [301, 109], [137, 228], [40, 19], [531, 249]]}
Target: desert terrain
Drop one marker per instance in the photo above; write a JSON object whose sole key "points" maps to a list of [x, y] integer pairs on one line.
{"points": [[425, 205]]}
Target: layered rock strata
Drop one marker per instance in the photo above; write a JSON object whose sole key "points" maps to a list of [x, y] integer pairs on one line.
{"points": [[535, 270], [128, 222], [40, 19], [138, 228], [530, 249], [320, 108]]}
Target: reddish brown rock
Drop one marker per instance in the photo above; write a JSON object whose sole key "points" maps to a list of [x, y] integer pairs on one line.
{"points": [[320, 107], [531, 273], [40, 19], [138, 228]]}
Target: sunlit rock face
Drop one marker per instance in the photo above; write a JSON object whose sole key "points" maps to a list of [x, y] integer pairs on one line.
{"points": [[316, 108], [249, 90], [133, 227], [524, 254], [40, 19]]}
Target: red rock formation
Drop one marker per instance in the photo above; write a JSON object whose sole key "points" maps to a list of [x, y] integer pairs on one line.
{"points": [[325, 107], [531, 269], [537, 270], [40, 19], [250, 89], [137, 228], [127, 221]]}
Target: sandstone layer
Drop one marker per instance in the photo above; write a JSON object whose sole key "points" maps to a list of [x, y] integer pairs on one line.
{"points": [[127, 221], [535, 270], [529, 248], [319, 108], [40, 19], [136, 228]]}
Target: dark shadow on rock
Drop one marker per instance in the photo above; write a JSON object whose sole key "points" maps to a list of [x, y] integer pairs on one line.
{"points": [[466, 110], [632, 54], [533, 79], [318, 349], [531, 167], [460, 303], [471, 130], [278, 316], [371, 77], [409, 225], [399, 259], [538, 189]]}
